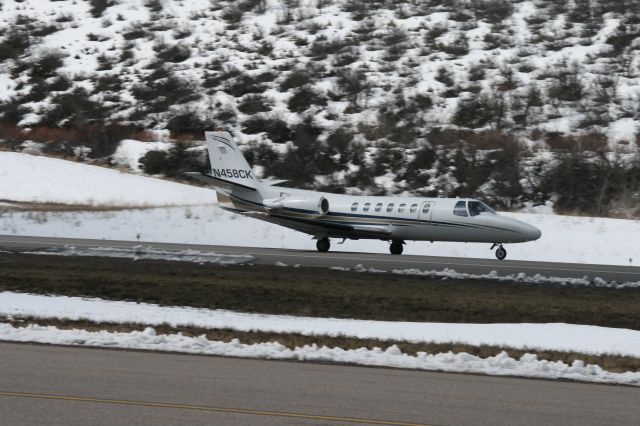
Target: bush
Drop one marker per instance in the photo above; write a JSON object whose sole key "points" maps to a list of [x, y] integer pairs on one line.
{"points": [[175, 162], [15, 43], [72, 107], [276, 129], [253, 104], [474, 112], [45, 65], [98, 7], [154, 162], [175, 54], [493, 11], [232, 14], [304, 98], [188, 122], [243, 85], [295, 79]]}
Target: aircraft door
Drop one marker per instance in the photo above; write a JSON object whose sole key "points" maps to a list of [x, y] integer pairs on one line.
{"points": [[426, 209]]}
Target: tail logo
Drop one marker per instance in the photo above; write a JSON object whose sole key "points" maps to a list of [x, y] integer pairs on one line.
{"points": [[223, 141]]}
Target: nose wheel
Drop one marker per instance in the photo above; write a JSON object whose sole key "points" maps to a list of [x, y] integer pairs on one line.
{"points": [[501, 253], [323, 245]]}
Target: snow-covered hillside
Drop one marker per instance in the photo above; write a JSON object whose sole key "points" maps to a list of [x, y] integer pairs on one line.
{"points": [[29, 178], [345, 61], [511, 101]]}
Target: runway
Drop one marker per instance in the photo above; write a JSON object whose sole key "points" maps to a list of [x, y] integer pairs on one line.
{"points": [[78, 386], [336, 258]]}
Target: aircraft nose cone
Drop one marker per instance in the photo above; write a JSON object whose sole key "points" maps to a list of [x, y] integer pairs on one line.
{"points": [[532, 233]]}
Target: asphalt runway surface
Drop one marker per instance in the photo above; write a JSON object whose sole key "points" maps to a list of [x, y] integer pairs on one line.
{"points": [[336, 258], [55, 385]]}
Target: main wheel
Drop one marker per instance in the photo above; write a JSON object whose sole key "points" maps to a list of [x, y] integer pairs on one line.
{"points": [[395, 248], [323, 245], [501, 253]]}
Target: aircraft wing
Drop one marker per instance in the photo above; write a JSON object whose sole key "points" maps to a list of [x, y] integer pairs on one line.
{"points": [[315, 227], [374, 230]]}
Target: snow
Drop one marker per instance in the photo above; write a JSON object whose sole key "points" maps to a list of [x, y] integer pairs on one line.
{"points": [[142, 253], [195, 219], [520, 277], [555, 336], [527, 366], [29, 178], [569, 239]]}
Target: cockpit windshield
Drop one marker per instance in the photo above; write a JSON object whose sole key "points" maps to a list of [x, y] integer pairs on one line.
{"points": [[478, 207]]}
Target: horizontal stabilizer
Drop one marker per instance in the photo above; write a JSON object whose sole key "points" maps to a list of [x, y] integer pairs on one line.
{"points": [[273, 182], [218, 182]]}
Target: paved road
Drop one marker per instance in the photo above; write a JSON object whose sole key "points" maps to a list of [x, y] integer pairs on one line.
{"points": [[350, 260], [79, 386]]}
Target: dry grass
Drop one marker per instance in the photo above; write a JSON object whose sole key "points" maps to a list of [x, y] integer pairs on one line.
{"points": [[613, 363], [319, 292]]}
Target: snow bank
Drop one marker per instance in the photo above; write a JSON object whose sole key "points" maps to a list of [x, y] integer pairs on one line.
{"points": [[558, 337], [527, 366], [141, 253], [29, 178], [493, 275]]}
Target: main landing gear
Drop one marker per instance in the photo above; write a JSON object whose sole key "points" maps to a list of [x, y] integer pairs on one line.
{"points": [[501, 253], [323, 244], [396, 247]]}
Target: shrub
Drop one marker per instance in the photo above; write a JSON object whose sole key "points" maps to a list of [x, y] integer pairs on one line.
{"points": [[493, 11], [474, 112], [176, 53], [253, 104], [232, 14], [98, 7], [72, 107], [154, 6], [445, 77], [304, 98], [188, 122], [295, 79], [458, 47], [15, 43], [242, 85], [134, 33], [154, 162], [276, 129], [45, 65]]}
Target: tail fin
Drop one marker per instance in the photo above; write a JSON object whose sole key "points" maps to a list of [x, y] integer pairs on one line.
{"points": [[228, 165]]}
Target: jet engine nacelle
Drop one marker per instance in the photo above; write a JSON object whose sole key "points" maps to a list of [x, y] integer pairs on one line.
{"points": [[318, 206]]}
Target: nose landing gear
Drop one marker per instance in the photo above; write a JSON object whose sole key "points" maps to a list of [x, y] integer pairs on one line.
{"points": [[501, 253]]}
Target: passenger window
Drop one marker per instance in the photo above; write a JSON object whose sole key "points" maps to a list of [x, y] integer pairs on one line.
{"points": [[366, 207], [378, 207], [401, 208], [390, 207], [460, 209], [354, 207], [426, 207], [414, 208]]}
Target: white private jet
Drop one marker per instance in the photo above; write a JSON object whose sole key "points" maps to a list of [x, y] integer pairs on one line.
{"points": [[324, 215]]}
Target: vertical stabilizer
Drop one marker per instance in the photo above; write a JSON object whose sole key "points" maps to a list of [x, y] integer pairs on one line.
{"points": [[227, 162]]}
